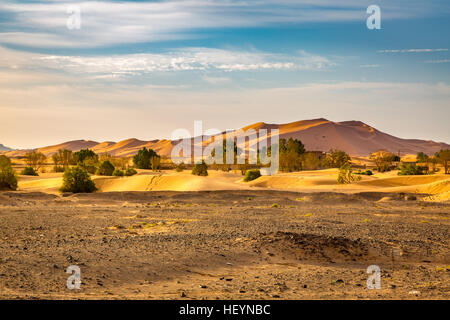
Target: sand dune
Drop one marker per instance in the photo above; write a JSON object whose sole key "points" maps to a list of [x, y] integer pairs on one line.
{"points": [[437, 185], [354, 137]]}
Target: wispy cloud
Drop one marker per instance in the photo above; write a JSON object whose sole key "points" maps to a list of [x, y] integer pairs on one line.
{"points": [[438, 61], [187, 59], [369, 66], [42, 24], [412, 50]]}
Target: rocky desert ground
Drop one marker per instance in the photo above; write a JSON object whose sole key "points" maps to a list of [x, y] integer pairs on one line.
{"points": [[224, 244]]}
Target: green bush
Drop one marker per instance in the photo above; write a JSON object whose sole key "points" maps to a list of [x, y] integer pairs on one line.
{"points": [[143, 159], [410, 170], [200, 169], [118, 173], [8, 179], [346, 175], [179, 167], [77, 180], [252, 175], [106, 168], [366, 173], [28, 171], [130, 172]]}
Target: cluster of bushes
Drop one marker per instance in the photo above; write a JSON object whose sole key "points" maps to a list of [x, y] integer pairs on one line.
{"points": [[28, 171], [410, 170], [346, 175], [252, 175], [200, 169], [147, 159], [8, 179], [77, 180], [365, 173]]}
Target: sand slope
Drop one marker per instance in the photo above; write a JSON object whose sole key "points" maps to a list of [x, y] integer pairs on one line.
{"points": [[437, 186]]}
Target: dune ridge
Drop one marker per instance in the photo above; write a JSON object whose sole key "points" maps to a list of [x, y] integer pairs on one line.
{"points": [[354, 137]]}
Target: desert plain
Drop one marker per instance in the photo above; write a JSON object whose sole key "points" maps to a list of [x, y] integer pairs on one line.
{"points": [[172, 235]]}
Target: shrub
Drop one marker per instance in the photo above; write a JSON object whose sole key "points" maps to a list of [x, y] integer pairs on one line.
{"points": [[200, 169], [143, 158], [252, 175], [346, 176], [336, 159], [8, 179], [29, 171], [80, 156], [410, 170], [106, 168], [77, 180], [366, 173], [130, 172], [35, 159], [118, 173], [179, 167]]}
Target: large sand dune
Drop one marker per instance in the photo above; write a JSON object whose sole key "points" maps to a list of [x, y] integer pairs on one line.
{"points": [[354, 137]]}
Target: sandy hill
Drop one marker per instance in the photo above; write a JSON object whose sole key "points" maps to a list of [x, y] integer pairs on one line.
{"points": [[354, 137], [4, 148]]}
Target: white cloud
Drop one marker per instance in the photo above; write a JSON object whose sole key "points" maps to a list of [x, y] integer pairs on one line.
{"points": [[187, 59], [42, 24], [412, 50], [438, 61], [369, 66]]}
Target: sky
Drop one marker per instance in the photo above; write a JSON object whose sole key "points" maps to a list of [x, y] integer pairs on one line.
{"points": [[146, 68]]}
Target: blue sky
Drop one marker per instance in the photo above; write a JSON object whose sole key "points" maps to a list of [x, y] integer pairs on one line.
{"points": [[145, 68]]}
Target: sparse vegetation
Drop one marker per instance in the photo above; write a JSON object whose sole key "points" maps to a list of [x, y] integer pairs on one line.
{"points": [[143, 159], [290, 155], [62, 159], [365, 173], [130, 172], [200, 169], [179, 167], [410, 170], [443, 157], [8, 179], [252, 175], [77, 180], [106, 168], [86, 159], [118, 173], [35, 159], [346, 175], [384, 160], [28, 171], [336, 159]]}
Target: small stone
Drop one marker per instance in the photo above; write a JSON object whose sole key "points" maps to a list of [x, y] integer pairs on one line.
{"points": [[203, 286], [183, 294], [414, 292]]}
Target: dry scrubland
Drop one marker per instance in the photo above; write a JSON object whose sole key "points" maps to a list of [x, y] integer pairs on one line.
{"points": [[290, 236]]}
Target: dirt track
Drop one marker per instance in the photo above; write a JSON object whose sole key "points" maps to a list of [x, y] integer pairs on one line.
{"points": [[223, 245]]}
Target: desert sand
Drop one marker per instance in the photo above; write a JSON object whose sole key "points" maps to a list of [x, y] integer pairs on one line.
{"points": [[169, 235], [429, 187], [241, 244]]}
